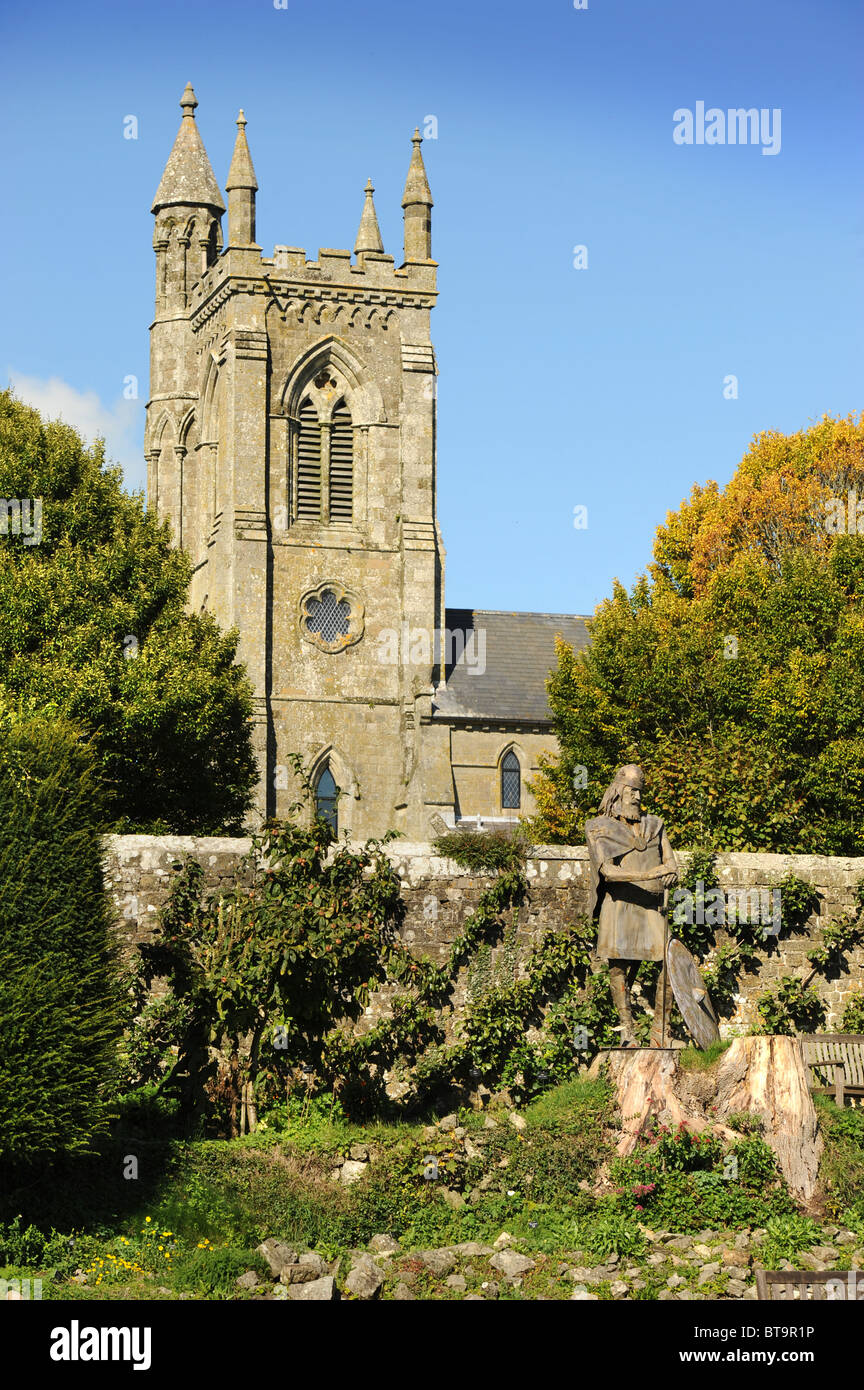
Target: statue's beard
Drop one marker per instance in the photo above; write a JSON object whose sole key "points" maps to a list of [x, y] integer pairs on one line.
{"points": [[633, 815]]}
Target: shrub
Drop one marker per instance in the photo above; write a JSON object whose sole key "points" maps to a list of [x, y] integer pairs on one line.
{"points": [[786, 1236], [59, 1003], [488, 849], [692, 1201], [564, 1143], [585, 1014], [403, 1191], [685, 1181], [280, 963], [837, 939], [610, 1233], [853, 1014], [699, 877], [215, 1271], [745, 1122], [30, 1248], [145, 1113], [269, 976]]}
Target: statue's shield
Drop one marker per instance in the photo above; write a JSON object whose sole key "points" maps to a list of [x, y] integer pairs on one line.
{"points": [[691, 996]]}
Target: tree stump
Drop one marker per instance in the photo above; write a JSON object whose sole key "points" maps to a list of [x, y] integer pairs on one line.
{"points": [[764, 1076]]}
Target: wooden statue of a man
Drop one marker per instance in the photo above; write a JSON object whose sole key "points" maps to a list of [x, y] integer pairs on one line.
{"points": [[632, 866]]}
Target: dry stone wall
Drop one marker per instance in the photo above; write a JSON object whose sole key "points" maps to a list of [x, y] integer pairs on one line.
{"points": [[439, 894]]}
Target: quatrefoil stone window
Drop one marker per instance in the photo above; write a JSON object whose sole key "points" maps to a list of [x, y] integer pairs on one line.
{"points": [[331, 617]]}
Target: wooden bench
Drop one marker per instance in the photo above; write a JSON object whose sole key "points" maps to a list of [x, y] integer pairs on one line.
{"points": [[839, 1056], [779, 1285]]}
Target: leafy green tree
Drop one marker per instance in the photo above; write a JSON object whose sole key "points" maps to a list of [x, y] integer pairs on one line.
{"points": [[264, 975], [59, 1003], [734, 672], [94, 628], [271, 977]]}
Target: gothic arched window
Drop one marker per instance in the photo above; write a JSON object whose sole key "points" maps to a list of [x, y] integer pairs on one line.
{"points": [[326, 798], [511, 782], [325, 465]]}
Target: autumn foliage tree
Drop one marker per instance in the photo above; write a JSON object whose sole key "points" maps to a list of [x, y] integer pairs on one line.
{"points": [[733, 672]]}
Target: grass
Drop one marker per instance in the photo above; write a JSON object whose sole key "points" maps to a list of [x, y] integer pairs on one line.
{"points": [[697, 1059], [217, 1199], [574, 1106], [841, 1170], [314, 1135]]}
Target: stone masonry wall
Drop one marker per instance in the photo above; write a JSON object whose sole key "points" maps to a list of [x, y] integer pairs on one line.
{"points": [[439, 894]]}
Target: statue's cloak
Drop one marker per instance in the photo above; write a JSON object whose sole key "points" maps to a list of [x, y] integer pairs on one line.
{"points": [[610, 838]]}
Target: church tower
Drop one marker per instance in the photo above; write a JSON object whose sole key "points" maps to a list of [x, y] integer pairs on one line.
{"points": [[291, 444]]}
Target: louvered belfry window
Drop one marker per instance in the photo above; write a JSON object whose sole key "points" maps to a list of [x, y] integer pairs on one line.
{"points": [[325, 451], [341, 465], [511, 783], [309, 464]]}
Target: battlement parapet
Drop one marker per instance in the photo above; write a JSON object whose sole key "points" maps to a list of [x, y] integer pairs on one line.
{"points": [[289, 278]]}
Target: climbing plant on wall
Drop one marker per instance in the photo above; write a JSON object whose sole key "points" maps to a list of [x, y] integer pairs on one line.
{"points": [[261, 988]]}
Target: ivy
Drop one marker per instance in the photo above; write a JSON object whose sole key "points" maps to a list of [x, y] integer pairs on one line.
{"points": [[795, 1008], [798, 899], [853, 1014], [265, 988], [837, 939]]}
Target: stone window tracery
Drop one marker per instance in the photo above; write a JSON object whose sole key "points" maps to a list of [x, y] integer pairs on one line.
{"points": [[328, 617], [331, 617]]}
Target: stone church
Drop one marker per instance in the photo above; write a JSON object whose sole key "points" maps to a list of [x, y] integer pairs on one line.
{"points": [[291, 444]]}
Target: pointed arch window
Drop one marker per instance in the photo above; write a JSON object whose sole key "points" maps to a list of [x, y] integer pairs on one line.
{"points": [[325, 465], [327, 798], [511, 782]]}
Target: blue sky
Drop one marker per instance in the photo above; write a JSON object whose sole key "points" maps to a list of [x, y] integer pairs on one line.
{"points": [[601, 387]]}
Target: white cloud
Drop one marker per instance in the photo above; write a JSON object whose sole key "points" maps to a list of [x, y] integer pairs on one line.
{"points": [[120, 425]]}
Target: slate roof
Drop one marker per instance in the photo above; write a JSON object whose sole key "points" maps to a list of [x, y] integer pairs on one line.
{"points": [[520, 653]]}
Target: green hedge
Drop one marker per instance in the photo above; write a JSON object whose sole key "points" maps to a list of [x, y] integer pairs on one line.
{"points": [[59, 1007]]}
